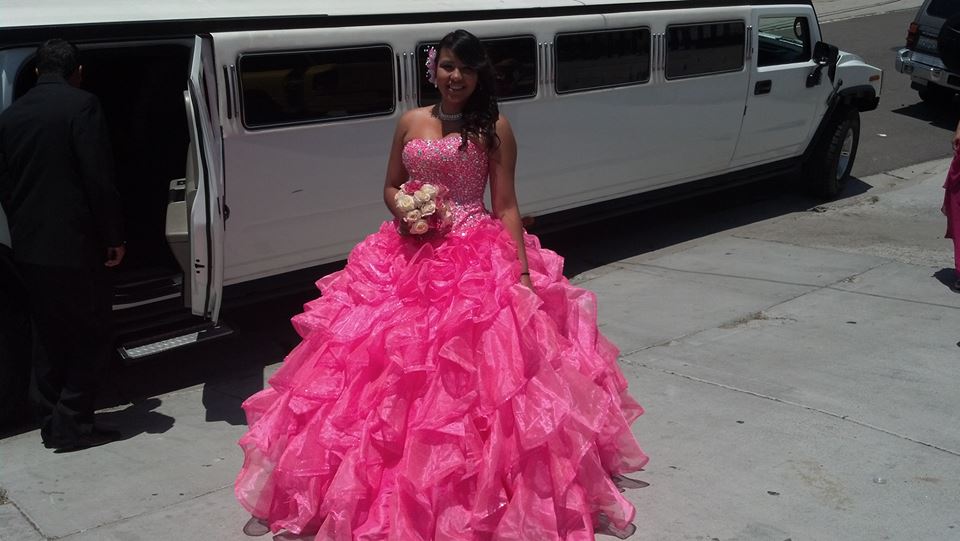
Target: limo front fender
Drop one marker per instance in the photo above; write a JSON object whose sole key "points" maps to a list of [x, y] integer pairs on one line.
{"points": [[862, 83], [862, 97]]}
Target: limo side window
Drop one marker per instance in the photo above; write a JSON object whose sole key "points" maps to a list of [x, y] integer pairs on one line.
{"points": [[783, 40], [602, 59], [316, 86], [514, 63], [704, 49]]}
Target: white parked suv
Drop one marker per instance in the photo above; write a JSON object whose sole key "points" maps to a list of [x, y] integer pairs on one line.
{"points": [[932, 55]]}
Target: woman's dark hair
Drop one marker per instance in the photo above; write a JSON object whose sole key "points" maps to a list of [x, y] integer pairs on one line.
{"points": [[480, 113], [58, 57]]}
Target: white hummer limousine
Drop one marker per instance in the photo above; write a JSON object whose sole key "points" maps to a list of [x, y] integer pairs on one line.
{"points": [[251, 137]]}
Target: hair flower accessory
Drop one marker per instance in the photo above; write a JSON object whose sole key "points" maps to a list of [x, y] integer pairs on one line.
{"points": [[431, 64]]}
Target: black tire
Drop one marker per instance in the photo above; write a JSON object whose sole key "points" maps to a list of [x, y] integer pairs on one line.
{"points": [[935, 95], [832, 160]]}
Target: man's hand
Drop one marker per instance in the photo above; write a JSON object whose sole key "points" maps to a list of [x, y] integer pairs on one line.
{"points": [[115, 255]]}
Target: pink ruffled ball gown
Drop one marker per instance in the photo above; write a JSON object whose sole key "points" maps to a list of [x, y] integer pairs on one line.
{"points": [[433, 397]]}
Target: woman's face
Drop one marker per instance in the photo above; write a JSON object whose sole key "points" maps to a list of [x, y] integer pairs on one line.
{"points": [[455, 80]]}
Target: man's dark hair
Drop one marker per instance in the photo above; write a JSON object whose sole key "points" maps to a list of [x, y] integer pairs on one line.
{"points": [[57, 56]]}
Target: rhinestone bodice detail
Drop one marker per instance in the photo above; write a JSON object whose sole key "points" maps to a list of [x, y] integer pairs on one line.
{"points": [[462, 172]]}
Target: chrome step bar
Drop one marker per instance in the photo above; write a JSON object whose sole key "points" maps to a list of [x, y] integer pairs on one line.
{"points": [[138, 350]]}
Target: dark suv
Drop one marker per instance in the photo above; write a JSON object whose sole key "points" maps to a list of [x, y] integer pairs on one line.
{"points": [[932, 55]]}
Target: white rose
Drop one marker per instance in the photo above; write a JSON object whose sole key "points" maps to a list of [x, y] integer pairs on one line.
{"points": [[421, 196], [429, 189], [405, 202], [419, 227], [412, 216], [428, 208]]}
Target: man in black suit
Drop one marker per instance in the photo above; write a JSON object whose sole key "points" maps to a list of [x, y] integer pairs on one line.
{"points": [[57, 187]]}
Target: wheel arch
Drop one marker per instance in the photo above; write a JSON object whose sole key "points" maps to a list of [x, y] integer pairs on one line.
{"points": [[862, 97]]}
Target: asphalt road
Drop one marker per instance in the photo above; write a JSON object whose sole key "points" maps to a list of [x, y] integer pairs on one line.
{"points": [[903, 130]]}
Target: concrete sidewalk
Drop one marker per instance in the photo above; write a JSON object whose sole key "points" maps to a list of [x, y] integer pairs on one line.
{"points": [[799, 374], [834, 10]]}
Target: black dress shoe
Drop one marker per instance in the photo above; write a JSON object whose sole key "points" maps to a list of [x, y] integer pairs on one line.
{"points": [[84, 441]]}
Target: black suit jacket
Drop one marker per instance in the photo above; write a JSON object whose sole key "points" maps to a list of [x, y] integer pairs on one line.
{"points": [[57, 177]]}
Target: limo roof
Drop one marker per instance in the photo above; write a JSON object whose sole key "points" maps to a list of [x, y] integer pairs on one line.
{"points": [[47, 13]]}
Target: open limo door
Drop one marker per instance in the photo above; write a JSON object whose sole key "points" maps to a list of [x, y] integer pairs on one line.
{"points": [[194, 221], [203, 188]]}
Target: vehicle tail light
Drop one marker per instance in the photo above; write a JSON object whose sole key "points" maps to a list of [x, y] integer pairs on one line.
{"points": [[912, 34]]}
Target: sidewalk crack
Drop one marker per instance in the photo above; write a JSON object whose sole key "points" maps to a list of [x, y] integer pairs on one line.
{"points": [[33, 524], [140, 514]]}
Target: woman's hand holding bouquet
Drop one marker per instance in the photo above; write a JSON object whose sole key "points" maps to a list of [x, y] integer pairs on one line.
{"points": [[422, 207]]}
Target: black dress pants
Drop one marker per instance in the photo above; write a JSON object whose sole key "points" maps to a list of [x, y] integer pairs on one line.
{"points": [[15, 339], [71, 311]]}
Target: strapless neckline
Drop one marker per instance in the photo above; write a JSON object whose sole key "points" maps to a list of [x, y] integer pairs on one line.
{"points": [[432, 140]]}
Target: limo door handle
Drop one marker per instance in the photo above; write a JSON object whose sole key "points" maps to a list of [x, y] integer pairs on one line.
{"points": [[763, 87]]}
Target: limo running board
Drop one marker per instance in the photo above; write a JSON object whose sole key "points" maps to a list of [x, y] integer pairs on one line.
{"points": [[138, 350]]}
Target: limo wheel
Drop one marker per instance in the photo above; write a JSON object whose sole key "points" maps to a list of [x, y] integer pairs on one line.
{"points": [[830, 165]]}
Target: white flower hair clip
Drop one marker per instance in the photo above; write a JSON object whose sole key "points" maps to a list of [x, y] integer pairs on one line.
{"points": [[432, 66]]}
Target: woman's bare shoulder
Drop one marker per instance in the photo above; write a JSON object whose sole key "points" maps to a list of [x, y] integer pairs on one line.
{"points": [[414, 116], [414, 120]]}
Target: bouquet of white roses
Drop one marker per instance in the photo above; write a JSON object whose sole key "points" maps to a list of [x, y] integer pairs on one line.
{"points": [[422, 206]]}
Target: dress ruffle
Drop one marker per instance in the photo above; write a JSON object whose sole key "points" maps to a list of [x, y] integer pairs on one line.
{"points": [[433, 397]]}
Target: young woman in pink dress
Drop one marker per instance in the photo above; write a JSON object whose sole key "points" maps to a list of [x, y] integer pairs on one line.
{"points": [[951, 207], [450, 385]]}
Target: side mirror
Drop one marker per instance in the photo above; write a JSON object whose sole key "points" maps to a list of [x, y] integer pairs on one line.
{"points": [[825, 56]]}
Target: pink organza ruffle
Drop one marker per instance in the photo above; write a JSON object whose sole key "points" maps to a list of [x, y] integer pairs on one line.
{"points": [[433, 397]]}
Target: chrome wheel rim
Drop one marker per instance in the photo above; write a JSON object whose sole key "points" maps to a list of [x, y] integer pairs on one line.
{"points": [[845, 150]]}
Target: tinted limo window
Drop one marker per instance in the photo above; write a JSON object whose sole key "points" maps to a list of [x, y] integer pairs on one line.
{"points": [[588, 60], [702, 49], [314, 86]]}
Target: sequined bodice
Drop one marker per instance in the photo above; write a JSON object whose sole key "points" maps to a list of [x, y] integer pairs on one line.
{"points": [[463, 172]]}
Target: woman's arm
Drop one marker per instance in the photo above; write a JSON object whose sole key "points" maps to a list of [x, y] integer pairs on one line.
{"points": [[396, 172], [956, 138], [503, 162]]}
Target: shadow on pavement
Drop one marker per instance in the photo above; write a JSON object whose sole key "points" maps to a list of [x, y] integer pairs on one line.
{"points": [[137, 418], [594, 245], [947, 277], [944, 117]]}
